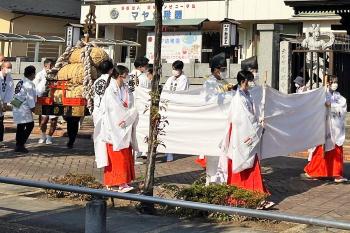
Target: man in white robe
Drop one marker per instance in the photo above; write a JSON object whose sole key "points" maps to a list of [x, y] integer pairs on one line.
{"points": [[177, 82], [141, 79], [216, 85], [40, 87]]}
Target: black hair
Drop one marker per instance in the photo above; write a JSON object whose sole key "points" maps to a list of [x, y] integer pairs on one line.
{"points": [[29, 71], [244, 75], [48, 61], [332, 78], [150, 68], [118, 70], [105, 66], [178, 65], [140, 62]]}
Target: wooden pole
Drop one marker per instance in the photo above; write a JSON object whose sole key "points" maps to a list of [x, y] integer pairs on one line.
{"points": [[154, 110]]}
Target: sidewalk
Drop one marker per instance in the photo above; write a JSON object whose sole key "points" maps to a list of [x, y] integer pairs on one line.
{"points": [[291, 193], [22, 212]]}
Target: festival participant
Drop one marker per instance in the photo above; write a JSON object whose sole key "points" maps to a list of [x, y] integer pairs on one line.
{"points": [[139, 73], [242, 143], [118, 132], [100, 85], [299, 84], [140, 76], [40, 87], [177, 82], [6, 95], [214, 86], [23, 107], [331, 164]]}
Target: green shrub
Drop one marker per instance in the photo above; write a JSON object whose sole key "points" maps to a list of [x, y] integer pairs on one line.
{"points": [[218, 194]]}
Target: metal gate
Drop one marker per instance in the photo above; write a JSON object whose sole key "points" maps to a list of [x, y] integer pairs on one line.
{"points": [[313, 65]]}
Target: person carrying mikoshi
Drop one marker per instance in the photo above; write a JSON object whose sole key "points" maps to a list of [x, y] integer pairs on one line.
{"points": [[118, 131], [177, 82], [23, 107], [40, 87], [331, 164], [214, 86]]}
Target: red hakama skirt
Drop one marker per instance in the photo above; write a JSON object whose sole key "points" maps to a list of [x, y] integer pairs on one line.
{"points": [[328, 165], [249, 179], [120, 169]]}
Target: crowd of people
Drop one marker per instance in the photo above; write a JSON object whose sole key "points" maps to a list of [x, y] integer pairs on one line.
{"points": [[115, 118], [21, 100]]}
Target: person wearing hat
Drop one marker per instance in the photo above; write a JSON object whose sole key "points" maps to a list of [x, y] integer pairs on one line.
{"points": [[299, 84], [216, 84]]}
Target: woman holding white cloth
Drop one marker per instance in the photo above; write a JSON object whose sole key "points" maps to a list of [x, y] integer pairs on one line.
{"points": [[117, 130]]}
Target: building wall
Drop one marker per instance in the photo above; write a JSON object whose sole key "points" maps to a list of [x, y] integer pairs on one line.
{"points": [[5, 18], [38, 25], [213, 10]]}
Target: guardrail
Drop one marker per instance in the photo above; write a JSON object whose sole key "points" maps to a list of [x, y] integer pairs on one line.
{"points": [[95, 219]]}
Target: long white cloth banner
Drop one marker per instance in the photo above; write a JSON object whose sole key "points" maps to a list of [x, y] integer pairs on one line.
{"points": [[198, 123]]}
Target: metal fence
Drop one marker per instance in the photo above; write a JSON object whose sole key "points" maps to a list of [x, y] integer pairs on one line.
{"points": [[95, 219]]}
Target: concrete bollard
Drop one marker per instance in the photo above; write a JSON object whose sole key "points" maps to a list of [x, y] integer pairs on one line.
{"points": [[95, 216]]}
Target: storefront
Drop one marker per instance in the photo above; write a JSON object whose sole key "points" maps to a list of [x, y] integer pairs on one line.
{"points": [[191, 29]]}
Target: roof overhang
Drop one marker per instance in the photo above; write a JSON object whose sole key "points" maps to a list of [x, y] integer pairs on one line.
{"points": [[309, 6], [11, 37], [108, 42], [174, 22]]}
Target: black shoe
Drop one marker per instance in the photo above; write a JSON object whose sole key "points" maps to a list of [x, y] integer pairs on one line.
{"points": [[69, 146], [21, 149]]}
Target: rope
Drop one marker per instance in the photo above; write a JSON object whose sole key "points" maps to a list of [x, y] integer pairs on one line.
{"points": [[88, 91]]}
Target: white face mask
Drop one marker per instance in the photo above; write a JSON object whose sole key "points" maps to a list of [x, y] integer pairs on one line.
{"points": [[8, 71], [176, 72], [251, 84], [256, 76], [297, 85], [223, 74], [334, 86]]}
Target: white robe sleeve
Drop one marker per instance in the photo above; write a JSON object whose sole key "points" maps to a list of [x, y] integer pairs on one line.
{"points": [[245, 128], [10, 90], [183, 84]]}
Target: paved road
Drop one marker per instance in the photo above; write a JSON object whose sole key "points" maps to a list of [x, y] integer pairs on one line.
{"points": [[282, 175]]}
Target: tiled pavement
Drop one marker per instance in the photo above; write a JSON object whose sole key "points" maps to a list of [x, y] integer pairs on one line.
{"points": [[282, 175]]}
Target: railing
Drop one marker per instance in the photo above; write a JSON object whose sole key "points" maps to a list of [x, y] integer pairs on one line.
{"points": [[95, 219]]}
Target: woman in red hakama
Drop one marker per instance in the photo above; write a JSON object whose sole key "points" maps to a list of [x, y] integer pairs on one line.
{"points": [[331, 163]]}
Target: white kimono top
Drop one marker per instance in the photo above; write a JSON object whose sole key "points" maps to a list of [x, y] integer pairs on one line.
{"points": [[144, 82], [6, 90], [337, 115], [245, 127], [40, 82], [177, 84], [115, 109], [25, 92]]}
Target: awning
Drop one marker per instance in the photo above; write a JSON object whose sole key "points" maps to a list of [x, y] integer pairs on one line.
{"points": [[108, 42], [174, 22], [11, 37]]}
